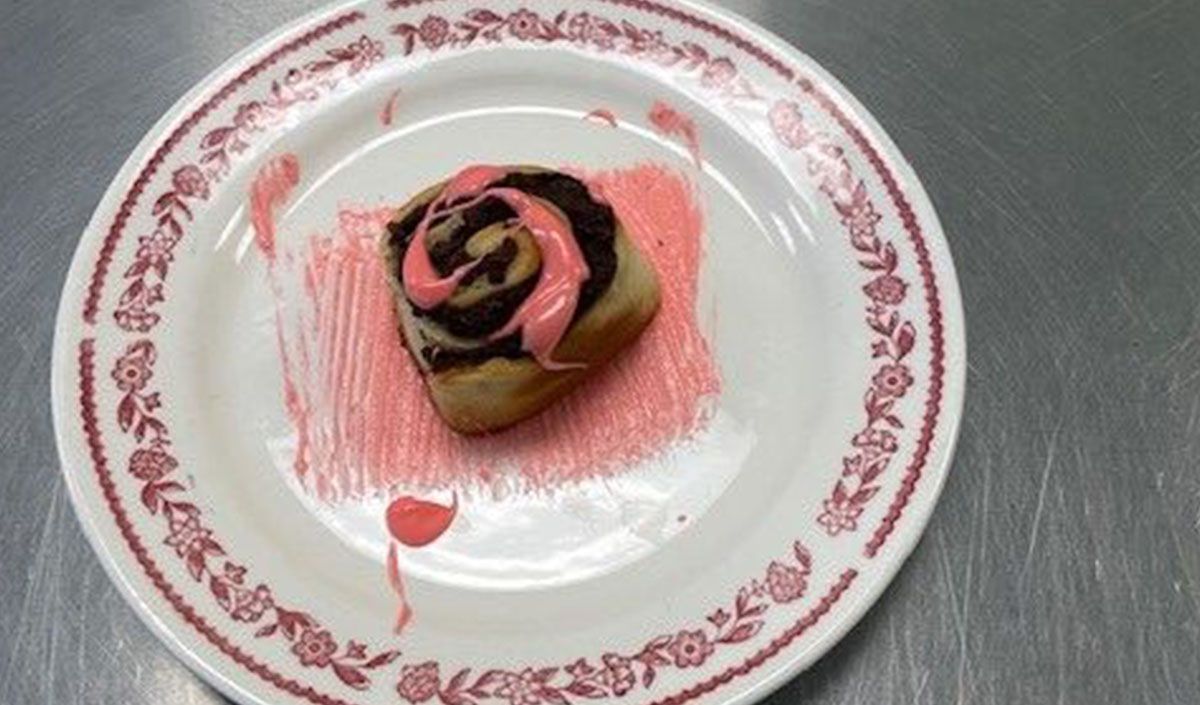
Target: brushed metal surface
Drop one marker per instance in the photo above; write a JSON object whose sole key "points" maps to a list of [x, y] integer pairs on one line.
{"points": [[1060, 141]]}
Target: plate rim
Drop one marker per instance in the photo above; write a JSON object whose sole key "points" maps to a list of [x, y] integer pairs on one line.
{"points": [[941, 263]]}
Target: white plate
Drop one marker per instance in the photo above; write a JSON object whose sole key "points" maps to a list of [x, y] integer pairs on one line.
{"points": [[711, 571]]}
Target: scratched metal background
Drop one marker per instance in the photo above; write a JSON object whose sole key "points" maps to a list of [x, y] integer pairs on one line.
{"points": [[1060, 141]]}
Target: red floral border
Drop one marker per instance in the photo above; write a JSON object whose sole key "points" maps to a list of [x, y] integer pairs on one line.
{"points": [[91, 304], [581, 678], [154, 466], [91, 430], [874, 444], [614, 674], [937, 339], [584, 29], [190, 183]]}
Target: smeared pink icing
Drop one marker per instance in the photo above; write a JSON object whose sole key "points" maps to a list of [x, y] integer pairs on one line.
{"points": [[270, 189], [352, 378], [404, 611], [544, 316], [415, 523], [363, 418], [388, 112], [603, 115], [418, 522], [318, 368], [672, 123]]}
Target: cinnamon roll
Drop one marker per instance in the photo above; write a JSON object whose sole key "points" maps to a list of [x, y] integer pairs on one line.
{"points": [[513, 285]]}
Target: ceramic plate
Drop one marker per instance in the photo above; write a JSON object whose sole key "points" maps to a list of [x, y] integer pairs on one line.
{"points": [[698, 523]]}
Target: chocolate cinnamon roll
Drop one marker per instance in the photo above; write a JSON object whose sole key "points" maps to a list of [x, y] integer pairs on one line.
{"points": [[512, 285]]}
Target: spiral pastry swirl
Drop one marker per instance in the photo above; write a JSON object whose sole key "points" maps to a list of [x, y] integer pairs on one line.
{"points": [[506, 264]]}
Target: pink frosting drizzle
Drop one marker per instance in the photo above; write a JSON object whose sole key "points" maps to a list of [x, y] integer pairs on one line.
{"points": [[421, 281], [669, 121], [603, 115], [395, 578], [388, 112], [544, 316], [415, 523], [333, 277], [270, 189]]}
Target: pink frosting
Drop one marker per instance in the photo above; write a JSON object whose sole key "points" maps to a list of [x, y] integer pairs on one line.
{"points": [[270, 189], [669, 121], [364, 421], [388, 112], [395, 578], [421, 281], [418, 522], [544, 316], [602, 115]]}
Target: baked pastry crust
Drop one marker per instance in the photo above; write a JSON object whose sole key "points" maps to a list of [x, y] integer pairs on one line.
{"points": [[482, 396]]}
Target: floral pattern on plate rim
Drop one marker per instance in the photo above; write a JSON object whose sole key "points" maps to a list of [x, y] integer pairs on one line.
{"points": [[192, 183], [875, 444], [595, 32]]}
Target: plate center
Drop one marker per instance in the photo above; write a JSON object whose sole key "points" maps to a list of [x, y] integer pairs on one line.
{"points": [[587, 519]]}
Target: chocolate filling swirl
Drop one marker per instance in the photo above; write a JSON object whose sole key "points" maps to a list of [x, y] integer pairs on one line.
{"points": [[592, 223]]}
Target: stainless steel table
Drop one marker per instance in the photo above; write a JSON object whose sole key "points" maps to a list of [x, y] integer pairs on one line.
{"points": [[1060, 141]]}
